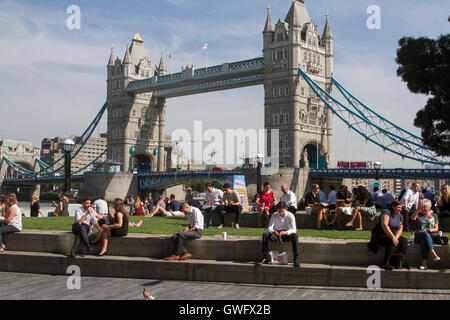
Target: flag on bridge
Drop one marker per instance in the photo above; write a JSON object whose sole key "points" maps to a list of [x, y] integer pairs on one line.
{"points": [[205, 46]]}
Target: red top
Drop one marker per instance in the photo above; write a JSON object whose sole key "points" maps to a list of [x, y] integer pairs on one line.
{"points": [[139, 211], [266, 199]]}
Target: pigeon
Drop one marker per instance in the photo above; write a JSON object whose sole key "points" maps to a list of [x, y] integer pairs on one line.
{"points": [[147, 295]]}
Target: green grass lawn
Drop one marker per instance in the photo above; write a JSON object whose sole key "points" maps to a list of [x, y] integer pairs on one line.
{"points": [[166, 226]]}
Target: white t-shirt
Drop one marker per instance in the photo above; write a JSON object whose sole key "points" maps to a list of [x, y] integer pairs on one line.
{"points": [[412, 198], [195, 218], [101, 206], [214, 196], [289, 199], [17, 220]]}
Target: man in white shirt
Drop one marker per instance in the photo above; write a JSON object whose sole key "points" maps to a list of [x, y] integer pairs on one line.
{"points": [[191, 232], [289, 198], [282, 228], [410, 201], [85, 216], [213, 197]]}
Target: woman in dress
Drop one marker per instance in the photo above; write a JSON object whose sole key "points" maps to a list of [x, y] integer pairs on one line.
{"points": [[265, 200], [119, 228]]}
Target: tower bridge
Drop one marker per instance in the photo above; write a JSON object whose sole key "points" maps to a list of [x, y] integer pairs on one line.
{"points": [[296, 71]]}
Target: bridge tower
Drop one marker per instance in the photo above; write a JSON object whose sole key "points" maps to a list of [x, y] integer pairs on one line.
{"points": [[135, 122], [304, 122]]}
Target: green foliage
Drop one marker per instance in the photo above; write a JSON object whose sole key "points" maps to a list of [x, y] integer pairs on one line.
{"points": [[198, 185], [424, 64]]}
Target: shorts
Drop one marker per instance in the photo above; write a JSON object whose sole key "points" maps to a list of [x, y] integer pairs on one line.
{"points": [[347, 210]]}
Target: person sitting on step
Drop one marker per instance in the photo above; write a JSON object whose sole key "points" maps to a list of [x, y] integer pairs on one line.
{"points": [[118, 228], [427, 222], [315, 207], [85, 216], [266, 200], [191, 232], [231, 203], [289, 198], [388, 232], [344, 205], [363, 205], [282, 228]]}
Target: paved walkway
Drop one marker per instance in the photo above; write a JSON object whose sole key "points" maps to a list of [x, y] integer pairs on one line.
{"points": [[18, 286]]}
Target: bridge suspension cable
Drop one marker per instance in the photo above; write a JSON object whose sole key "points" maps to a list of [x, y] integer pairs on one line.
{"points": [[359, 120], [49, 169]]}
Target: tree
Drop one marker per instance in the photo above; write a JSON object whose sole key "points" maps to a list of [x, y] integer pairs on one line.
{"points": [[424, 64]]}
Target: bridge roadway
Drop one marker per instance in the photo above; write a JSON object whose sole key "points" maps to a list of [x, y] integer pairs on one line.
{"points": [[189, 81], [162, 179]]}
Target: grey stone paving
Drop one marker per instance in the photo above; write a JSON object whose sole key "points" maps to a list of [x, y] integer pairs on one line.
{"points": [[17, 286]]}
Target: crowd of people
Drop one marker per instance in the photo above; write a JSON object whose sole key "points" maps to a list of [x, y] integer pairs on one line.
{"points": [[416, 210]]}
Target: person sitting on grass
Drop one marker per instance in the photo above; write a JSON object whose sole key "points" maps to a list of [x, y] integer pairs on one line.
{"points": [[119, 228], [363, 204], [315, 207], [344, 205], [427, 223], [12, 222], [191, 232], [173, 211], [388, 232], [282, 228]]}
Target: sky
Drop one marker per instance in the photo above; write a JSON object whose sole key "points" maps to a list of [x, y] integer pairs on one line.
{"points": [[53, 79]]}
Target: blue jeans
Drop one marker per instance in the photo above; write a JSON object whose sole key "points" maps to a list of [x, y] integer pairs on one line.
{"points": [[426, 243], [212, 210], [5, 230]]}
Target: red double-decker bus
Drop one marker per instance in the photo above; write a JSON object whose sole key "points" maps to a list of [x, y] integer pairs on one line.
{"points": [[352, 165]]}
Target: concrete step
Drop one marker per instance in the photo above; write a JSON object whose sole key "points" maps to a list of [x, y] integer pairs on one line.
{"points": [[243, 249], [219, 271]]}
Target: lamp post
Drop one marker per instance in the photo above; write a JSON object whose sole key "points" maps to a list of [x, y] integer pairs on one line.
{"points": [[377, 166], [259, 162], [68, 146]]}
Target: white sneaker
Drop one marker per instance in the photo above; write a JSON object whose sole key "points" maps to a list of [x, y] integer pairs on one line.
{"points": [[423, 268], [237, 226], [436, 259], [220, 227]]}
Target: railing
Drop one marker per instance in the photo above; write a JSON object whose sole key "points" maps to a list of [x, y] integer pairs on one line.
{"points": [[382, 173]]}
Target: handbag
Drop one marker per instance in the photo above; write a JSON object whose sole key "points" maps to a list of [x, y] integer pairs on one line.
{"points": [[277, 257], [440, 239]]}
